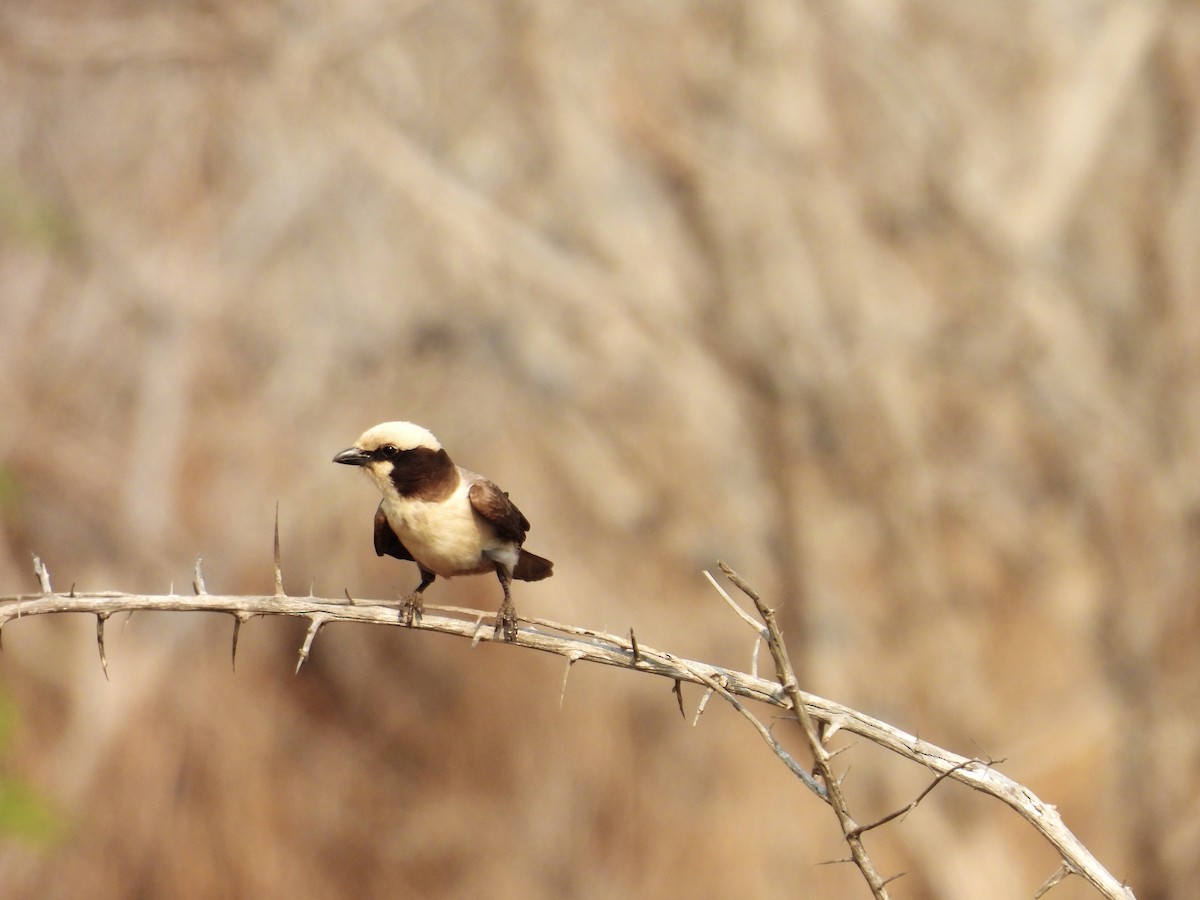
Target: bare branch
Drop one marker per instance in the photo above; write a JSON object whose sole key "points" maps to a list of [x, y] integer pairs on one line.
{"points": [[717, 684], [904, 810], [759, 629], [787, 680], [612, 650]]}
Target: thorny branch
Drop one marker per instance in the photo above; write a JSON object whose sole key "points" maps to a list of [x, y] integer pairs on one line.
{"points": [[822, 758], [586, 644]]}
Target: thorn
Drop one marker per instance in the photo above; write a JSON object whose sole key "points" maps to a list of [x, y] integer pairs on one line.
{"points": [[171, 590], [637, 654], [198, 579], [1064, 871], [101, 618], [571, 660], [349, 599], [278, 566], [835, 862], [72, 594], [313, 628], [42, 573], [312, 586], [677, 690], [128, 618], [838, 752], [238, 619], [700, 709], [832, 727], [478, 631]]}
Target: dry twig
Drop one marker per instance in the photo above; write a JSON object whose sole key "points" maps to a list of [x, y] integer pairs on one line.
{"points": [[786, 676], [589, 645]]}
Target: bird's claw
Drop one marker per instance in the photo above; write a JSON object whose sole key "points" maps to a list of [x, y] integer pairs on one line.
{"points": [[411, 608], [506, 624]]}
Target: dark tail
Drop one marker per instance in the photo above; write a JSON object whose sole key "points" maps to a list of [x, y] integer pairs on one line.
{"points": [[531, 567]]}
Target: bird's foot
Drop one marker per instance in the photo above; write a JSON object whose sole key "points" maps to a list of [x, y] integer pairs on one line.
{"points": [[506, 624], [411, 608]]}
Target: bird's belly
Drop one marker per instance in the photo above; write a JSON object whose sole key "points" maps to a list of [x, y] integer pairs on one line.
{"points": [[443, 537]]}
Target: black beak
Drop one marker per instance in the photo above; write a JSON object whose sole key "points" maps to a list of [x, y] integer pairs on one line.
{"points": [[352, 457]]}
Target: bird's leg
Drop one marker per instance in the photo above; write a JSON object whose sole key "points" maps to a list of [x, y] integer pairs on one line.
{"points": [[412, 606], [506, 618]]}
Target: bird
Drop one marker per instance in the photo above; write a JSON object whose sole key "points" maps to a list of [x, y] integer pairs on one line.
{"points": [[448, 520]]}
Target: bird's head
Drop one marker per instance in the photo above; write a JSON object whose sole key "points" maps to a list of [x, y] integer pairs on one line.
{"points": [[399, 456]]}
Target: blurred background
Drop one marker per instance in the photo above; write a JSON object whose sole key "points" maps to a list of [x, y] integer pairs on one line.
{"points": [[891, 305]]}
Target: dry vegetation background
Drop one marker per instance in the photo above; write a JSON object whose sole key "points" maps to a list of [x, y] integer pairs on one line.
{"points": [[893, 305]]}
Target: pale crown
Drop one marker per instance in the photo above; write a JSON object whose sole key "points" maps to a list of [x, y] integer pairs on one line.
{"points": [[402, 435]]}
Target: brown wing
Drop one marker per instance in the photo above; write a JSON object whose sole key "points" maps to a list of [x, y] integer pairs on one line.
{"points": [[386, 542], [493, 505]]}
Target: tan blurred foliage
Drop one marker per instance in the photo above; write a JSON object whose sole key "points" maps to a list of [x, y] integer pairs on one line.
{"points": [[892, 305]]}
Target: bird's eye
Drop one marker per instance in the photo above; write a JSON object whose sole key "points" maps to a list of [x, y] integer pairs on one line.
{"points": [[389, 451]]}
